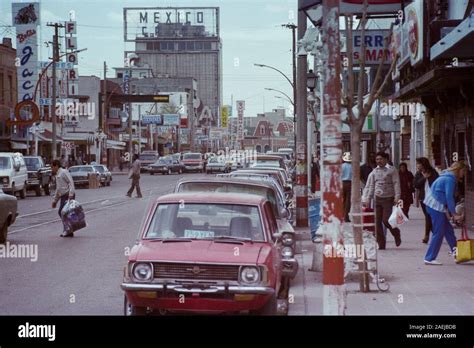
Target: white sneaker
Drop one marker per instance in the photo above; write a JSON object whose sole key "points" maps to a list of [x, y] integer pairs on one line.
{"points": [[434, 262]]}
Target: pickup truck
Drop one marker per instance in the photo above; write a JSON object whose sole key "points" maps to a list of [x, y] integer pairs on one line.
{"points": [[39, 175]]}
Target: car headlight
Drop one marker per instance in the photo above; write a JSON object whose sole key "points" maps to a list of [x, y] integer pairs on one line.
{"points": [[250, 275], [287, 239], [143, 272], [287, 252]]}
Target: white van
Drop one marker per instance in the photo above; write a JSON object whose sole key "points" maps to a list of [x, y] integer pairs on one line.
{"points": [[13, 173]]}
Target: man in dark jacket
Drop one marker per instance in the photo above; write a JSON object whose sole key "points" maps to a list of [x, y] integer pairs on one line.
{"points": [[367, 168]]}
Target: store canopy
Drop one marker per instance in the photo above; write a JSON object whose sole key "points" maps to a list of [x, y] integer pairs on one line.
{"points": [[18, 146], [116, 145]]}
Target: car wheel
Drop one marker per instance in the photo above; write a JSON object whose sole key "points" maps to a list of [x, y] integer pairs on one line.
{"points": [[23, 192], [3, 233], [269, 309], [46, 190], [151, 173], [131, 310], [38, 191]]}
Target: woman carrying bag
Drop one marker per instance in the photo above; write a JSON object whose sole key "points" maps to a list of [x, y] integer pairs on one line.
{"points": [[439, 204]]}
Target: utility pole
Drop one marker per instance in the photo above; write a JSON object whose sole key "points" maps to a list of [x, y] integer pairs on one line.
{"points": [[103, 119], [331, 187], [293, 28], [301, 187], [53, 106]]}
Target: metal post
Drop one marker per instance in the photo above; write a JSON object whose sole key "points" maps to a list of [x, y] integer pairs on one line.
{"points": [[301, 187], [139, 128], [331, 188]]}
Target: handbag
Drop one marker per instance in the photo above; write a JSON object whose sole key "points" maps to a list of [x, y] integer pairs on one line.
{"points": [[397, 218], [73, 216], [464, 247]]}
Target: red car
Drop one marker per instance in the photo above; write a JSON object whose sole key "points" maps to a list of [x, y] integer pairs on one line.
{"points": [[206, 253], [193, 162]]}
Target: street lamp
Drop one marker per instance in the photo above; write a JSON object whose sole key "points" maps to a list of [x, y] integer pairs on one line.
{"points": [[311, 80], [286, 95], [279, 71]]}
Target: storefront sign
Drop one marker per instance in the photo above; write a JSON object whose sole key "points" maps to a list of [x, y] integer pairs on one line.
{"points": [[414, 23], [26, 20], [374, 47]]}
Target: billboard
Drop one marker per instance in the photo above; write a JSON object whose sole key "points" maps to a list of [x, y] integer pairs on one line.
{"points": [[152, 22], [374, 6], [26, 18]]}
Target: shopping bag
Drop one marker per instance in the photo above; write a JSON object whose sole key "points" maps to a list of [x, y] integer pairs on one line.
{"points": [[464, 247], [73, 216], [397, 218]]}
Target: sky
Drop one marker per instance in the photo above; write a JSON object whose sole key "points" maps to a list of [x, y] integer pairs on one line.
{"points": [[251, 33]]}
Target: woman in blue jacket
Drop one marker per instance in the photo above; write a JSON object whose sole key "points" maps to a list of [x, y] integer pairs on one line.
{"points": [[439, 204]]}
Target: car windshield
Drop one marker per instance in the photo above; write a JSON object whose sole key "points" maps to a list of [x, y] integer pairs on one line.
{"points": [[165, 160], [261, 191], [81, 169], [32, 163], [205, 221], [147, 157], [5, 163], [272, 163], [100, 169], [215, 160], [192, 156]]}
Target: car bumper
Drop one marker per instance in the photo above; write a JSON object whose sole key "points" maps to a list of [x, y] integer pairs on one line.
{"points": [[80, 182], [289, 267], [197, 300], [33, 182], [191, 168], [213, 289]]}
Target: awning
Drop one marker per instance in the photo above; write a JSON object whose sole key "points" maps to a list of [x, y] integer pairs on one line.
{"points": [[116, 145], [18, 146], [78, 137], [457, 43], [47, 136]]}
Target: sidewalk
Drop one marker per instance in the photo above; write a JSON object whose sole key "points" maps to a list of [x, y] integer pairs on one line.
{"points": [[415, 288]]}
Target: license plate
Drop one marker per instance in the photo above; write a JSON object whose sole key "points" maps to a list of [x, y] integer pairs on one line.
{"points": [[198, 234]]}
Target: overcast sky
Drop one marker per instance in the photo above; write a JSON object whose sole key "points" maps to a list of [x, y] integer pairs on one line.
{"points": [[251, 33]]}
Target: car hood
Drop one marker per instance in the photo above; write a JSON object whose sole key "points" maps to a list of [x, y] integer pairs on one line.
{"points": [[197, 251], [191, 161], [80, 173]]}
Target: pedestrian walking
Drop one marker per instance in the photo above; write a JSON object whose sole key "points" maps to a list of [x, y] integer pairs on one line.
{"points": [[406, 187], [64, 191], [383, 183], [440, 204], [134, 174], [347, 184], [424, 178]]}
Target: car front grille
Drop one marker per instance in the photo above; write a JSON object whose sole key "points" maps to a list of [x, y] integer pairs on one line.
{"points": [[196, 271]]}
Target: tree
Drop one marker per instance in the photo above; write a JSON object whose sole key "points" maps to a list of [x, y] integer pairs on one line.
{"points": [[357, 111]]}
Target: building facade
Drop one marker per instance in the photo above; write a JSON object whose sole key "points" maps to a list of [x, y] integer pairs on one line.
{"points": [[181, 43]]}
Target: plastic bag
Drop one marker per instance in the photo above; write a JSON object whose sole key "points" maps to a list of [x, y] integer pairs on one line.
{"points": [[397, 218], [73, 216]]}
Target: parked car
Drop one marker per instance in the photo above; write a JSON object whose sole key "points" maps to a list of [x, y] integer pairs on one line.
{"points": [[166, 165], [8, 214], [105, 174], [193, 162], [39, 175], [266, 160], [13, 173], [265, 189], [80, 174], [216, 164], [188, 251], [147, 158]]}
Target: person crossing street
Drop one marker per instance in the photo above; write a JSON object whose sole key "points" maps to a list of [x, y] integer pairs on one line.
{"points": [[134, 174], [64, 191]]}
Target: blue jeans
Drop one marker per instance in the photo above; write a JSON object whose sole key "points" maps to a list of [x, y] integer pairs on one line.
{"points": [[441, 229], [62, 203]]}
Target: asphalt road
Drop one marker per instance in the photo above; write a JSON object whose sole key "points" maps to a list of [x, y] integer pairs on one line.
{"points": [[80, 275]]}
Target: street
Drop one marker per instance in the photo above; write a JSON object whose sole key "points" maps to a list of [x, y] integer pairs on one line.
{"points": [[80, 275]]}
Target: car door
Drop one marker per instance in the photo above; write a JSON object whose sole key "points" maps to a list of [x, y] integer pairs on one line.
{"points": [[276, 245]]}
